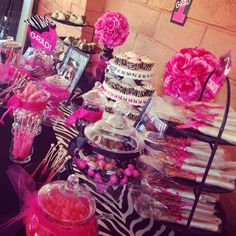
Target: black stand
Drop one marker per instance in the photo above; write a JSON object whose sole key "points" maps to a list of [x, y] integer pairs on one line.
{"points": [[214, 147], [64, 22], [213, 142]]}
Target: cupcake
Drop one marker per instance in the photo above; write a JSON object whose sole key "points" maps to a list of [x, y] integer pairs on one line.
{"points": [[92, 46], [54, 15], [147, 64], [80, 20], [120, 59], [72, 18], [69, 40], [139, 91], [114, 83], [133, 115], [108, 107], [83, 46], [61, 16], [132, 55], [126, 88], [149, 88], [67, 14], [133, 64]]}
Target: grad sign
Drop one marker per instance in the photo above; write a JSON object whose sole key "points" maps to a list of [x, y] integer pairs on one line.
{"points": [[217, 79], [180, 11], [43, 39]]}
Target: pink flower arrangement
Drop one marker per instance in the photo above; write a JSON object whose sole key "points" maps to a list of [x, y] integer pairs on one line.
{"points": [[111, 29], [186, 73]]}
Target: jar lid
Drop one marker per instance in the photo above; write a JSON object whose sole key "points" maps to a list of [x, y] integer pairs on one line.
{"points": [[114, 134], [95, 96], [66, 202]]}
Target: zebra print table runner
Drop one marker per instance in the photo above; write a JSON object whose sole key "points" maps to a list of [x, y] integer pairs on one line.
{"points": [[116, 215]]}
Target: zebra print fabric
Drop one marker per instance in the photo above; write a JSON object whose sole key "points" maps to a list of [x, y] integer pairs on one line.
{"points": [[115, 211]]}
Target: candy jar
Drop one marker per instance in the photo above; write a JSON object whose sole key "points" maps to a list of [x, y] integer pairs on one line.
{"points": [[21, 148], [62, 208], [90, 111], [112, 147]]}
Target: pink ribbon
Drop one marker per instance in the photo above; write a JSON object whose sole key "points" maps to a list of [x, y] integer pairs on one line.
{"points": [[205, 116], [193, 124], [14, 102], [81, 113], [57, 93]]}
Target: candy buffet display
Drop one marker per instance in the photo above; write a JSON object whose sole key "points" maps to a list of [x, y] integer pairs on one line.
{"points": [[111, 150], [164, 167]]}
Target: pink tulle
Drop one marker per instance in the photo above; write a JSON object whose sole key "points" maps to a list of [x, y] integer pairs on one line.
{"points": [[57, 93], [25, 187], [81, 113], [5, 72], [16, 102]]}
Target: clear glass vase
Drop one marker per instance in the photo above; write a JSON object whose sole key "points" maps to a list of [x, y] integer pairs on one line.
{"points": [[21, 148]]}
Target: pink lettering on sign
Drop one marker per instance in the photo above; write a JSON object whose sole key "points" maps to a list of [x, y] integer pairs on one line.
{"points": [[179, 15], [45, 40], [180, 11], [217, 79]]}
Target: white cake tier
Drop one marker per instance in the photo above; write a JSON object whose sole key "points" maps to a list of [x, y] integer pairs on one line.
{"points": [[132, 74], [118, 96]]}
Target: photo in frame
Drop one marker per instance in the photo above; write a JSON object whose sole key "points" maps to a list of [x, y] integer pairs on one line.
{"points": [[72, 67], [148, 121]]}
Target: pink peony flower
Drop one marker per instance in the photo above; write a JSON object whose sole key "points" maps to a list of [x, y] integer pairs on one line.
{"points": [[198, 67], [186, 73], [178, 63], [111, 29]]}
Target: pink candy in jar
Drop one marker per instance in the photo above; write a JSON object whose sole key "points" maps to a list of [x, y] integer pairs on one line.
{"points": [[63, 209]]}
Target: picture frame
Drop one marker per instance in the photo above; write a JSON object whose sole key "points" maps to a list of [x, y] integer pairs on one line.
{"points": [[147, 121], [72, 67]]}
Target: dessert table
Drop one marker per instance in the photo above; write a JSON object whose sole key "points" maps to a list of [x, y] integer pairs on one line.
{"points": [[115, 211]]}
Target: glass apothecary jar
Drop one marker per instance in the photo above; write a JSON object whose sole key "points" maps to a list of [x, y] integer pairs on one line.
{"points": [[63, 208]]}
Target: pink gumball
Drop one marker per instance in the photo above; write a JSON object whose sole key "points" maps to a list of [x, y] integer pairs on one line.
{"points": [[81, 163], [131, 166], [124, 180], [100, 157], [101, 164], [128, 172], [135, 173], [91, 172], [109, 166], [113, 179], [97, 177]]}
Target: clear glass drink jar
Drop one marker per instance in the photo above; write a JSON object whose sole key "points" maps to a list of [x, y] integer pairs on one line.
{"points": [[63, 208]]}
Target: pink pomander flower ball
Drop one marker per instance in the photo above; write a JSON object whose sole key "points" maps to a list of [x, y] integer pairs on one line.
{"points": [[111, 29], [186, 73]]}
